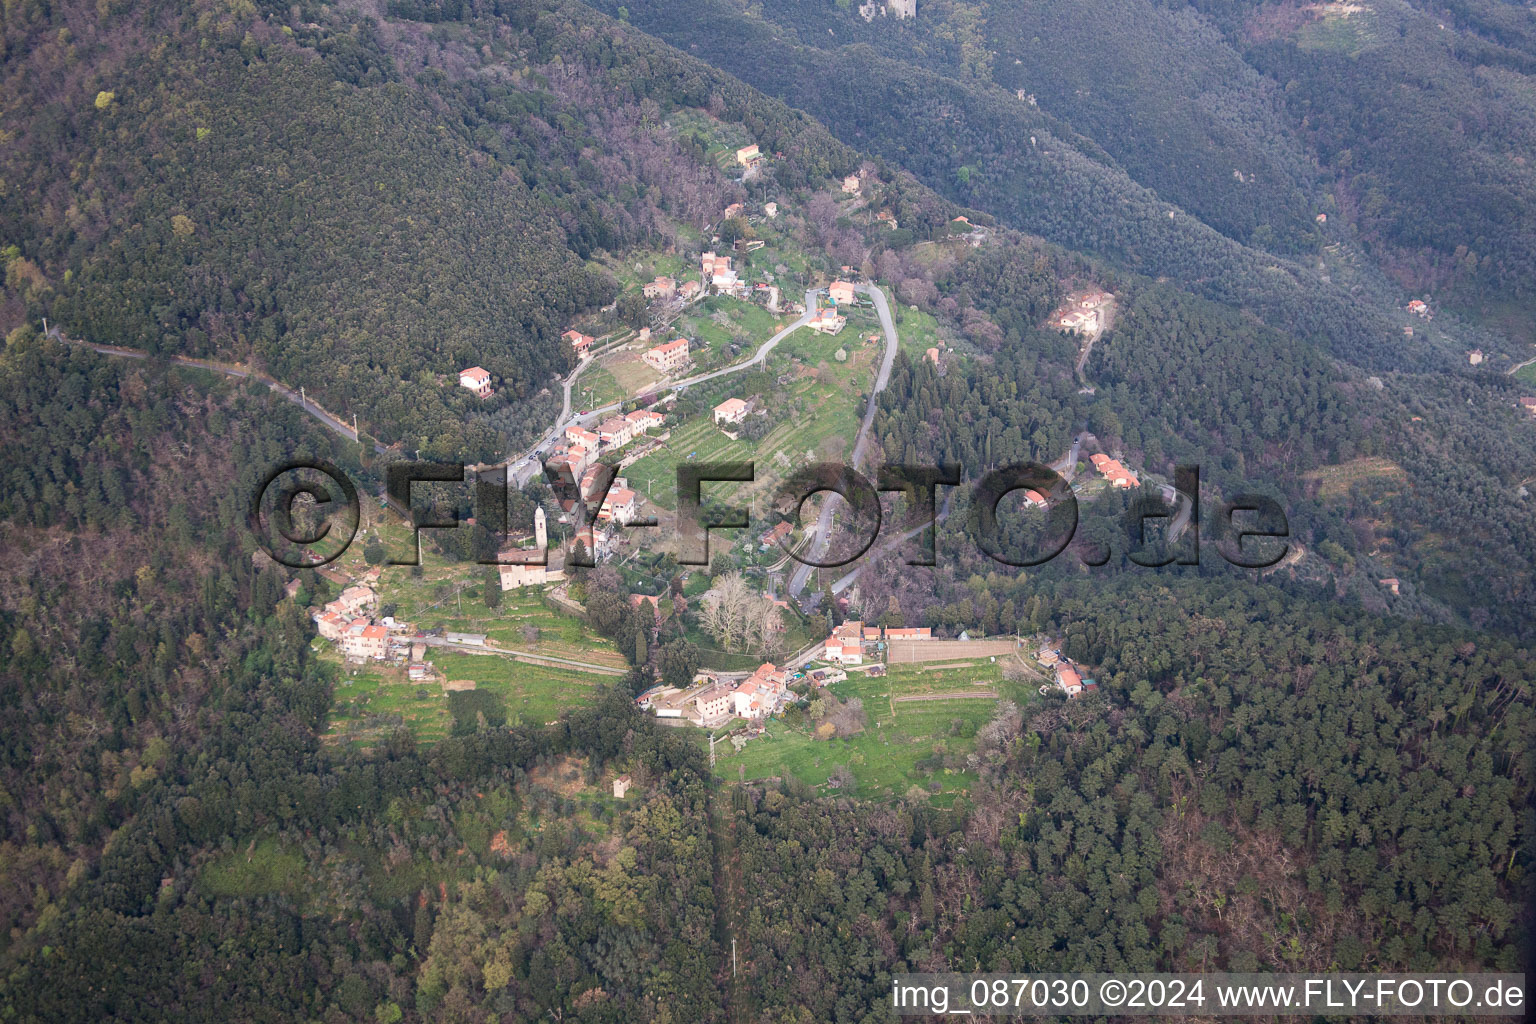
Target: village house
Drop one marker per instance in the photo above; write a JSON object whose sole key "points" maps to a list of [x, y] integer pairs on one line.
{"points": [[687, 290], [352, 601], [621, 786], [573, 461], [1418, 307], [1475, 356], [578, 434], [732, 210], [1113, 471], [642, 420], [1068, 679], [1079, 321], [827, 676], [365, 642], [840, 292], [599, 543], [668, 358], [760, 693], [932, 355], [589, 482], [908, 633], [618, 506], [638, 600], [746, 156], [580, 343], [330, 625], [826, 321], [477, 379], [516, 575], [1392, 584], [732, 410], [774, 536], [846, 644], [713, 705], [616, 431], [851, 184], [662, 288], [1034, 499], [771, 209]]}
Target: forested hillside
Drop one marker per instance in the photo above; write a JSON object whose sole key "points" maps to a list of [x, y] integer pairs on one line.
{"points": [[1323, 765], [360, 209]]}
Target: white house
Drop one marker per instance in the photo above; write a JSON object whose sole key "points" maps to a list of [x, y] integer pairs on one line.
{"points": [[476, 379]]}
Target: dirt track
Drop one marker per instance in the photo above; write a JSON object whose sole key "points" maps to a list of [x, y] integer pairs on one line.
{"points": [[905, 652], [970, 695]]}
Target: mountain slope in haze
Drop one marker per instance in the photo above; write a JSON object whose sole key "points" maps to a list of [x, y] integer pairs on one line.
{"points": [[1004, 157]]}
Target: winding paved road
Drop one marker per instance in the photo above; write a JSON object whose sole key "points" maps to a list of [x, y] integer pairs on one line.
{"points": [[335, 423], [861, 444], [525, 469]]}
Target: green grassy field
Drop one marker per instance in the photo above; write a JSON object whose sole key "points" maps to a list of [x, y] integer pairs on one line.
{"points": [[371, 701], [1527, 373], [532, 694], [597, 386], [905, 743], [884, 759]]}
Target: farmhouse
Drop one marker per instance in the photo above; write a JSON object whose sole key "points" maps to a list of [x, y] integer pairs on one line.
{"points": [[851, 184], [840, 292], [1113, 471], [746, 156], [909, 633], [732, 410], [669, 357], [775, 536], [662, 288], [580, 343], [826, 321], [476, 379]]}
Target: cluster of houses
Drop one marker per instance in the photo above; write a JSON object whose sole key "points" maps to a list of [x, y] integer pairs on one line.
{"points": [[1068, 677], [850, 642], [1113, 471], [347, 622], [711, 701], [1083, 313], [717, 272], [582, 447]]}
